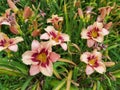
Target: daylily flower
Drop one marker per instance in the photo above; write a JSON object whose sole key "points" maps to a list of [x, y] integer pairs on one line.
{"points": [[9, 19], [54, 20], [94, 33], [7, 43], [55, 37], [40, 58], [93, 61]]}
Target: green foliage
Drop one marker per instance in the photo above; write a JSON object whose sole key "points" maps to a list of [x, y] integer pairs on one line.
{"points": [[15, 74]]}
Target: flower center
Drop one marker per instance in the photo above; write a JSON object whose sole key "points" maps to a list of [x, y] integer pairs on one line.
{"points": [[94, 33], [93, 61], [42, 57]]}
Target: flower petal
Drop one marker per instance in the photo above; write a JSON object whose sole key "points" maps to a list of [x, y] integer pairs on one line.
{"points": [[27, 58], [2, 48], [90, 42], [34, 69], [105, 32], [49, 29], [84, 34], [48, 70], [101, 68], [89, 70], [13, 47], [35, 45], [45, 36], [54, 56], [16, 39], [84, 57], [64, 46], [65, 37]]}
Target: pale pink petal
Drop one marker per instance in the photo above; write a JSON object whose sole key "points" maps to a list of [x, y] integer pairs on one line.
{"points": [[5, 23], [84, 34], [2, 48], [35, 45], [84, 57], [98, 54], [34, 69], [45, 36], [48, 70], [105, 32], [27, 58], [89, 70], [100, 38], [60, 18], [64, 46], [65, 37], [13, 47], [49, 29], [90, 42], [49, 20], [98, 25], [101, 68], [54, 56], [16, 39]]}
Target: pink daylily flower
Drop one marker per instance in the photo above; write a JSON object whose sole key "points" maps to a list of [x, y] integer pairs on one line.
{"points": [[94, 33], [55, 37], [7, 43], [40, 58], [9, 19], [55, 21], [94, 62]]}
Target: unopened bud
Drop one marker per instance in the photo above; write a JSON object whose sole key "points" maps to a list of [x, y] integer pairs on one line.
{"points": [[109, 64], [14, 29], [27, 12], [80, 12], [36, 33], [108, 25]]}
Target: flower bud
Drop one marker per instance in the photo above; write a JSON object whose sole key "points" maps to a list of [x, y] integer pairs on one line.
{"points": [[14, 29], [109, 64], [35, 33], [27, 12], [80, 12]]}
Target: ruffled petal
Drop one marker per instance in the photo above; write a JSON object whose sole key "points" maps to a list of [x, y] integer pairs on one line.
{"points": [[45, 36], [89, 70], [65, 37], [48, 70], [13, 47], [49, 29], [27, 58], [90, 42], [105, 32], [34, 69], [84, 34], [84, 57], [16, 39], [101, 68], [64, 46], [35, 45], [54, 56]]}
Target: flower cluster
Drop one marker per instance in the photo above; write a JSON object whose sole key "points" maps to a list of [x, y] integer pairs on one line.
{"points": [[41, 56], [95, 34]]}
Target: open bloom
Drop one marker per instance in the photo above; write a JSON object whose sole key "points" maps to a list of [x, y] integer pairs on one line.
{"points": [[55, 37], [40, 58], [55, 20], [9, 19], [94, 33], [9, 43], [93, 61]]}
